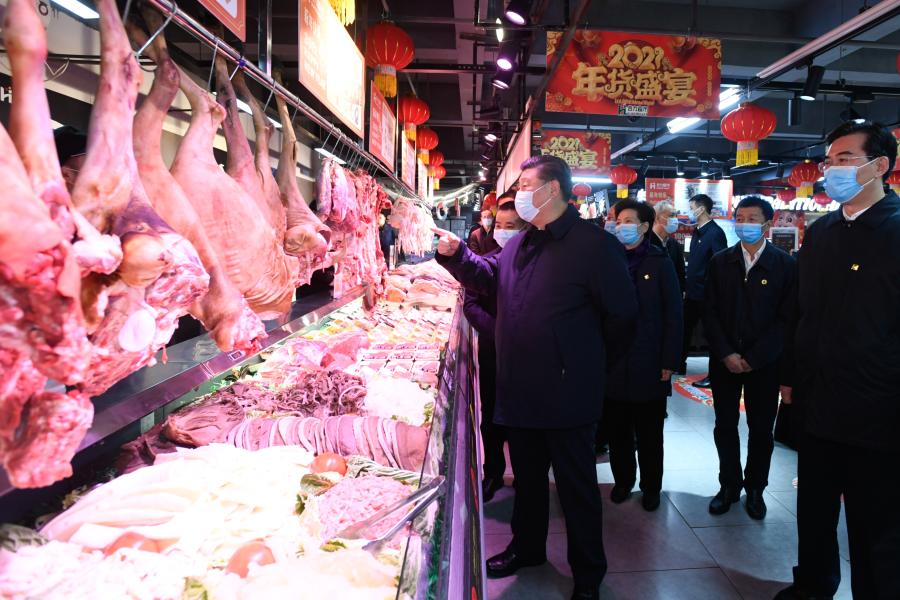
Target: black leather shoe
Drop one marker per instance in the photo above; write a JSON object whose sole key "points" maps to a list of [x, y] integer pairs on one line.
{"points": [[489, 487], [507, 562], [704, 383], [755, 505], [795, 593], [650, 501], [584, 592], [722, 501], [620, 494]]}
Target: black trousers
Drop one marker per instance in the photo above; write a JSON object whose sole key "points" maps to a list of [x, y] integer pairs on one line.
{"points": [[869, 481], [693, 313], [571, 454], [641, 421], [760, 389], [492, 435]]}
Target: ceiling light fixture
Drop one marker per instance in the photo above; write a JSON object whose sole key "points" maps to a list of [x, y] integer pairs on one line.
{"points": [[795, 114], [681, 123], [77, 8], [813, 81], [517, 11], [586, 179], [679, 170], [502, 80], [499, 30], [862, 97], [490, 137], [729, 98], [506, 55]]}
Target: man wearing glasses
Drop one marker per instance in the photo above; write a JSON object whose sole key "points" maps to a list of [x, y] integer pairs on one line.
{"points": [[846, 374]]}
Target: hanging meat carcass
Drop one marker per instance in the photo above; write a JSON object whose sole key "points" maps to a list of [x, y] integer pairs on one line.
{"points": [[223, 310], [239, 232]]}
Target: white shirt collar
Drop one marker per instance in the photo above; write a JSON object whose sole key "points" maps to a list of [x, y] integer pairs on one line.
{"points": [[750, 260], [855, 215]]}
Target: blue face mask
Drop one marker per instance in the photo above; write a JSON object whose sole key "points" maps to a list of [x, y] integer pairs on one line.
{"points": [[627, 233], [672, 225], [610, 226], [840, 182], [749, 233]]}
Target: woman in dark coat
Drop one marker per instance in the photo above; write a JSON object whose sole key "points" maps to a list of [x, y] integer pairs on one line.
{"points": [[639, 384]]}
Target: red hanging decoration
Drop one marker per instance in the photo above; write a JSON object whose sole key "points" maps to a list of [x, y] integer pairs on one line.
{"points": [[388, 49], [893, 180], [803, 176], [786, 196], [426, 140], [896, 133], [582, 190], [622, 176], [438, 173], [746, 126], [412, 112], [822, 199]]}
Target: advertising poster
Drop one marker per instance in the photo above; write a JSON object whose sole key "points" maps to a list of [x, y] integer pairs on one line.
{"points": [[331, 66], [382, 129], [408, 163], [679, 192], [636, 74], [231, 13], [586, 152]]}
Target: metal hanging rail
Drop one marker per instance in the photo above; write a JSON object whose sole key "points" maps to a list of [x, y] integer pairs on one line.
{"points": [[170, 10]]}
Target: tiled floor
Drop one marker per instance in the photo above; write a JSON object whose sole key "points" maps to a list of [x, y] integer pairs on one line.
{"points": [[680, 551]]}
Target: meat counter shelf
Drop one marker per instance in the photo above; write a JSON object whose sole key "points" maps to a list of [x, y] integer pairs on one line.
{"points": [[446, 559]]}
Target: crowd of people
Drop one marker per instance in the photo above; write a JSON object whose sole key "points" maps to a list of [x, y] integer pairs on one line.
{"points": [[580, 326]]}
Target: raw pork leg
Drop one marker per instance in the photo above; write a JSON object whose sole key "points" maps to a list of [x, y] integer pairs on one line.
{"points": [[242, 237], [223, 311], [161, 274], [32, 133], [306, 237]]}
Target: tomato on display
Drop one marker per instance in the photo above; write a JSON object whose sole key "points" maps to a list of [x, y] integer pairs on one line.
{"points": [[130, 539], [329, 461], [251, 553]]}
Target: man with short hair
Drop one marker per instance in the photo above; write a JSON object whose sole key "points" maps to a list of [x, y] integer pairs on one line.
{"points": [[708, 239], [481, 241], [846, 378], [481, 311], [664, 228], [749, 295], [566, 306]]}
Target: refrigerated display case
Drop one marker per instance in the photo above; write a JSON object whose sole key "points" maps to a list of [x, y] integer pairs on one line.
{"points": [[443, 559]]}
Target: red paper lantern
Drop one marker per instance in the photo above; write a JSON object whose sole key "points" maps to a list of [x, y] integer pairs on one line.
{"points": [[803, 177], [426, 140], [490, 201], [412, 113], [822, 199], [786, 196], [747, 125], [896, 133], [622, 176], [388, 49], [893, 180], [436, 158], [437, 173], [582, 190]]}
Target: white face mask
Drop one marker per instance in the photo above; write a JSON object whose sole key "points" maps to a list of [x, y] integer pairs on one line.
{"points": [[487, 223], [525, 204], [502, 236]]}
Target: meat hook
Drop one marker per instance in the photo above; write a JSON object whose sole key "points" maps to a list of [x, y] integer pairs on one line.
{"points": [[240, 63], [212, 66], [158, 31], [271, 91]]}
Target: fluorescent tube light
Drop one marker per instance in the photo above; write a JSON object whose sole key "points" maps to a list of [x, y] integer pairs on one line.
{"points": [[586, 179], [328, 154], [731, 97], [681, 123], [78, 9]]}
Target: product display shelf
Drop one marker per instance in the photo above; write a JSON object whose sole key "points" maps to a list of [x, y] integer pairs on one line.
{"points": [[444, 556]]}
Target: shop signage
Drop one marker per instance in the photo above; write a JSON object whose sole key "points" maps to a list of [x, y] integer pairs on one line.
{"points": [[586, 152], [231, 13], [423, 182], [6, 93], [803, 204], [636, 74], [331, 66], [408, 162], [382, 128], [678, 192]]}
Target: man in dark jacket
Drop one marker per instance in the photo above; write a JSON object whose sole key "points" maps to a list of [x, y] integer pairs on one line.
{"points": [[481, 241], [639, 384], [749, 295], [664, 227], [481, 311], [708, 239], [846, 379], [565, 303]]}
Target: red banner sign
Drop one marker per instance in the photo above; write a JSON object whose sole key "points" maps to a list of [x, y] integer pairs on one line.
{"points": [[586, 152], [331, 66], [635, 74], [231, 13], [382, 129], [678, 192], [408, 163]]}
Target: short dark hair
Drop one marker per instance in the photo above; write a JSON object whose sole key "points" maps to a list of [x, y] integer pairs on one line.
{"points": [[879, 140], [644, 211], [550, 168], [507, 194], [704, 201], [69, 142], [507, 207], [757, 202]]}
